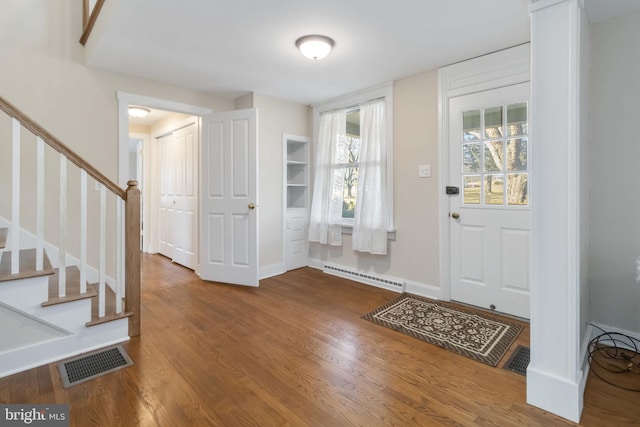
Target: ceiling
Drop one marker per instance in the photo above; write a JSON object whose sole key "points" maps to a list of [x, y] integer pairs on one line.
{"points": [[231, 48]]}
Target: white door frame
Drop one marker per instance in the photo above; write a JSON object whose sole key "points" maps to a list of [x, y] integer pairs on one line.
{"points": [[504, 68], [124, 100]]}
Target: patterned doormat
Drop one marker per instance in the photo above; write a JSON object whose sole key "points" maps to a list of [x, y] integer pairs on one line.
{"points": [[478, 337]]}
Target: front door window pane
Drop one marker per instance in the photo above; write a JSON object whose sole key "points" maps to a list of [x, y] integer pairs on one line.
{"points": [[517, 191], [494, 190], [517, 155], [493, 156], [471, 125], [517, 119], [472, 189], [493, 123], [471, 158]]}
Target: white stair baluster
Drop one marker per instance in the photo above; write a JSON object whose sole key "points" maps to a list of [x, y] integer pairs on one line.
{"points": [[120, 254], [62, 244], [40, 204], [83, 231], [15, 199], [103, 245]]}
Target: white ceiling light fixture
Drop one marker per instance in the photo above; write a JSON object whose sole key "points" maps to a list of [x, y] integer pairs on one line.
{"points": [[315, 47], [138, 112]]}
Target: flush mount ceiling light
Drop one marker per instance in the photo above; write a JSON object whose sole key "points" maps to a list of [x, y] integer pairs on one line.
{"points": [[315, 47], [138, 112]]}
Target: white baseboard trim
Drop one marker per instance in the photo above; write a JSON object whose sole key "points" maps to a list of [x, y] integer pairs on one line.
{"points": [[556, 395], [598, 328], [267, 271], [412, 287], [422, 289]]}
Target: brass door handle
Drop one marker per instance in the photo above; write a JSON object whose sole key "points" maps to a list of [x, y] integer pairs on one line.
{"points": [[454, 215], [251, 206]]}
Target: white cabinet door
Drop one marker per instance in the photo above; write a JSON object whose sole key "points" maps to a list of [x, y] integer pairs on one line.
{"points": [[296, 242], [229, 189], [490, 226]]}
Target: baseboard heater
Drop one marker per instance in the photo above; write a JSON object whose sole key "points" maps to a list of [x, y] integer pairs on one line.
{"points": [[373, 279]]}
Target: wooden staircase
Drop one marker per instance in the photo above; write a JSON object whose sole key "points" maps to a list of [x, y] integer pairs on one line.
{"points": [[79, 322], [49, 302]]}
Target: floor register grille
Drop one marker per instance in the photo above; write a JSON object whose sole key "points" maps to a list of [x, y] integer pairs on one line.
{"points": [[86, 367]]}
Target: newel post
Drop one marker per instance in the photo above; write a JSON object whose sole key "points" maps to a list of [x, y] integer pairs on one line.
{"points": [[132, 256]]}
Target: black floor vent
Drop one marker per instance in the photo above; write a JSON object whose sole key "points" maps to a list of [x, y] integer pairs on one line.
{"points": [[518, 361], [89, 366]]}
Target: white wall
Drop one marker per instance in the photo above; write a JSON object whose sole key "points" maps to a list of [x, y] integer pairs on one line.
{"points": [[42, 72], [615, 172], [275, 117], [413, 256]]}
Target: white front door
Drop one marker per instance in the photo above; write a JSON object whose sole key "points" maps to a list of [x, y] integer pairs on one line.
{"points": [[489, 218], [228, 202]]}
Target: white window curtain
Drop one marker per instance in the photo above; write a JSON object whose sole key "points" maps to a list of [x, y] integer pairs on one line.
{"points": [[325, 218], [370, 222]]}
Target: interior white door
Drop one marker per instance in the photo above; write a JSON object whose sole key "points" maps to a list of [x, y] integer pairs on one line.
{"points": [[167, 195], [185, 158], [228, 198], [489, 218]]}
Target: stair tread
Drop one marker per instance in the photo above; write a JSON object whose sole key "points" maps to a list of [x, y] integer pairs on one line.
{"points": [[109, 309], [4, 233], [72, 288], [27, 266]]}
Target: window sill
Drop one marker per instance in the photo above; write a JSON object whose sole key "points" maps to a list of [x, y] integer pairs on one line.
{"points": [[348, 229]]}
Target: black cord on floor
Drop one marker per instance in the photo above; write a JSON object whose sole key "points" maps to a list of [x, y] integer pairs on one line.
{"points": [[616, 353]]}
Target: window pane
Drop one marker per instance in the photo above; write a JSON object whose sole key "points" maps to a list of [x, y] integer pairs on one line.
{"points": [[517, 119], [517, 154], [471, 124], [493, 156], [493, 122], [472, 189], [349, 192], [494, 190], [471, 158], [517, 189]]}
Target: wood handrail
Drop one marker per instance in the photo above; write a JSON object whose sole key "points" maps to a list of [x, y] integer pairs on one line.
{"points": [[89, 19], [55, 143]]}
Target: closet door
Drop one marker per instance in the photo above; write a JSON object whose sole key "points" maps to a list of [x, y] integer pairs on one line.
{"points": [[178, 174], [184, 219], [167, 195]]}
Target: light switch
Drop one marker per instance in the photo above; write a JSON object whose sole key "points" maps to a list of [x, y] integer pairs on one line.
{"points": [[424, 171]]}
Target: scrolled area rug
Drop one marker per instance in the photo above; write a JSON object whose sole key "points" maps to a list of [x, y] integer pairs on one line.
{"points": [[478, 337]]}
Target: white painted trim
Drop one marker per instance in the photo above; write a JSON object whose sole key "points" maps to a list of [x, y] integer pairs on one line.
{"points": [[554, 394], [103, 245], [423, 289], [594, 331], [271, 270], [124, 100], [504, 68]]}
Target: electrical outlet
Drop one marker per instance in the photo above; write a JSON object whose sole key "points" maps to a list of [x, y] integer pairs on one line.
{"points": [[424, 171]]}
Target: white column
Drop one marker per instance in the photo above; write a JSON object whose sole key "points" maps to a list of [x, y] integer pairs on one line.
{"points": [[555, 377]]}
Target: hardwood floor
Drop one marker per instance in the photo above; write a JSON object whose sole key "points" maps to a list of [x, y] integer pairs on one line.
{"points": [[292, 352]]}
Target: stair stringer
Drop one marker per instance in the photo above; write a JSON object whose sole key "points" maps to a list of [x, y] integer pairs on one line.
{"points": [[26, 295], [89, 339]]}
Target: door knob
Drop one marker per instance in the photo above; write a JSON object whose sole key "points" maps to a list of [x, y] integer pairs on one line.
{"points": [[251, 206], [455, 215]]}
